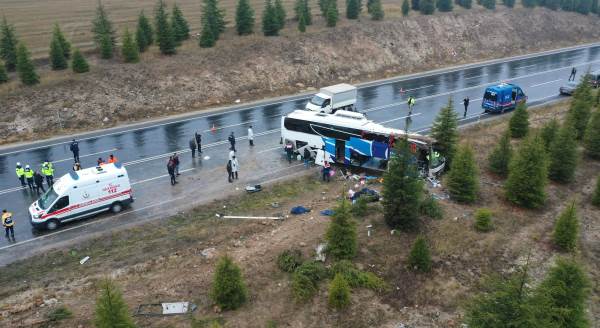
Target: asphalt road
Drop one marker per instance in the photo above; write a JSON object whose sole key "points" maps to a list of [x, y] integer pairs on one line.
{"points": [[144, 149]]}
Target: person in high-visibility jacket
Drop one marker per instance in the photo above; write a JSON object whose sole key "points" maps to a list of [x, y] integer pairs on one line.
{"points": [[411, 103], [8, 223], [48, 172], [20, 174], [29, 176]]}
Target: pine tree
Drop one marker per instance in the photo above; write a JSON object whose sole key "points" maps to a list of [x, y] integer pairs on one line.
{"points": [[269, 20], [207, 39], [64, 44], [180, 26], [111, 309], [581, 107], [3, 75], [339, 292], [528, 3], [594, 7], [509, 3], [463, 179], [489, 4], [566, 229], [165, 36], [104, 34], [130, 50], [405, 8], [552, 4], [244, 18], [25, 67], [79, 63], [548, 133], [228, 289], [591, 141], [519, 122], [144, 35], [302, 23], [324, 5], [332, 13], [352, 9], [341, 234], [377, 10], [563, 156], [467, 4], [444, 5], [57, 56], [567, 5], [8, 45], [567, 287], [307, 12], [419, 257], [279, 14], [213, 18], [500, 156], [402, 190], [483, 220], [528, 174], [596, 195], [583, 6], [414, 4], [427, 7], [445, 132], [106, 47]]}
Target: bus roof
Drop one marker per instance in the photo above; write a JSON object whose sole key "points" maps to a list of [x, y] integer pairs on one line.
{"points": [[501, 87]]}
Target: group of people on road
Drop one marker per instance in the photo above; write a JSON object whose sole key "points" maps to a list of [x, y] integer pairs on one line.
{"points": [[33, 179]]}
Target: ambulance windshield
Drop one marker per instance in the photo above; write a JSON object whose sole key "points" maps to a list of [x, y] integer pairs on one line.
{"points": [[47, 199]]}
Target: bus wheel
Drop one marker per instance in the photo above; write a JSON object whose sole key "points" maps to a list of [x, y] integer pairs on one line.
{"points": [[116, 207], [52, 224]]}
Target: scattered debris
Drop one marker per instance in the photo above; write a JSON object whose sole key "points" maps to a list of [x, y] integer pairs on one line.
{"points": [[372, 195], [209, 253], [320, 250], [206, 158], [441, 196], [249, 217], [299, 210], [435, 183], [275, 205], [237, 101], [83, 260], [369, 230], [255, 188], [327, 212], [160, 309], [393, 231]]}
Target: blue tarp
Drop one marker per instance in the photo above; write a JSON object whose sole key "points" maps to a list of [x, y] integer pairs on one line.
{"points": [[299, 210], [327, 212]]}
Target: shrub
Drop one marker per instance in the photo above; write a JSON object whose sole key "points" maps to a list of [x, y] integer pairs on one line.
{"points": [[289, 260], [405, 8], [528, 175], [306, 278], [596, 196], [25, 66], [341, 233], [431, 208], [79, 64], [548, 133], [499, 158], [111, 309], [339, 293], [483, 220], [591, 141], [420, 258], [463, 181], [445, 131], [359, 208], [563, 156], [60, 313], [3, 75], [228, 289], [357, 278], [566, 229], [519, 122]]}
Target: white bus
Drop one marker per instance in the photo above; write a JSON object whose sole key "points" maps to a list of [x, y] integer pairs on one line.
{"points": [[351, 139]]}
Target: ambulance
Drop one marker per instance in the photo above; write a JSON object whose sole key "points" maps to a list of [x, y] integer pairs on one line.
{"points": [[81, 194]]}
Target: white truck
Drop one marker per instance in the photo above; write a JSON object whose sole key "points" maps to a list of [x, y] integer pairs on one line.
{"points": [[81, 194], [330, 99]]}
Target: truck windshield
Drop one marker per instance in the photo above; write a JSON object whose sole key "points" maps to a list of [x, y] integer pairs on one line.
{"points": [[316, 100], [491, 96], [47, 198]]}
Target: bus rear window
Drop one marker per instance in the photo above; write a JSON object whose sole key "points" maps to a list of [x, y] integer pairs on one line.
{"points": [[491, 96]]}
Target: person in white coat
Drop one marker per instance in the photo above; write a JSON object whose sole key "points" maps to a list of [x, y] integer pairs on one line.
{"points": [[235, 167], [250, 136]]}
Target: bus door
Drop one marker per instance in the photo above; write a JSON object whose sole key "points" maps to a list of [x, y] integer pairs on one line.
{"points": [[340, 150]]}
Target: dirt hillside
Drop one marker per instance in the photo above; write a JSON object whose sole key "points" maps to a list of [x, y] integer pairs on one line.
{"points": [[254, 67]]}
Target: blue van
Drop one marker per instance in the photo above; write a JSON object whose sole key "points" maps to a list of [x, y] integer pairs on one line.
{"points": [[502, 97]]}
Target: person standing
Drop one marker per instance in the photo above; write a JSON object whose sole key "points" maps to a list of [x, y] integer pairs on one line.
{"points": [[198, 138], [193, 147], [411, 103], [112, 159], [20, 174], [229, 171], [29, 177], [171, 170], [466, 103], [573, 73], [75, 149], [8, 223], [231, 141], [176, 163], [289, 150], [38, 179], [307, 157], [100, 161], [48, 172], [235, 167], [250, 136], [326, 171]]}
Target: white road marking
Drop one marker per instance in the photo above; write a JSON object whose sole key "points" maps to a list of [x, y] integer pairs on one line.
{"points": [[160, 176], [474, 77], [400, 118], [528, 66], [544, 83], [270, 149], [228, 126], [418, 88], [87, 155]]}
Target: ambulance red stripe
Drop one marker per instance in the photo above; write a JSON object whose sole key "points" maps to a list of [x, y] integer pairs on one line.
{"points": [[88, 203]]}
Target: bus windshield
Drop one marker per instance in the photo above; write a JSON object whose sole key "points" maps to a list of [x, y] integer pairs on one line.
{"points": [[47, 198], [491, 96], [316, 100]]}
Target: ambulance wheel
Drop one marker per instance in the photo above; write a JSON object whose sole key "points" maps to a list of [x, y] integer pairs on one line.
{"points": [[116, 207], [52, 224]]}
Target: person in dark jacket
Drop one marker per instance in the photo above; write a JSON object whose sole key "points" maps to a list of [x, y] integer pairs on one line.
{"points": [[232, 141], [38, 179], [75, 150], [573, 73], [289, 151], [466, 103], [193, 147], [229, 171], [176, 163], [198, 137], [171, 170], [307, 157]]}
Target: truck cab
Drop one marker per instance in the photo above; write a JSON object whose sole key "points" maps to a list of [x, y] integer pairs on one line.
{"points": [[330, 99], [502, 97]]}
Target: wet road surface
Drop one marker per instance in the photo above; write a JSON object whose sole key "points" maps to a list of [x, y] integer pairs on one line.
{"points": [[144, 150]]}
